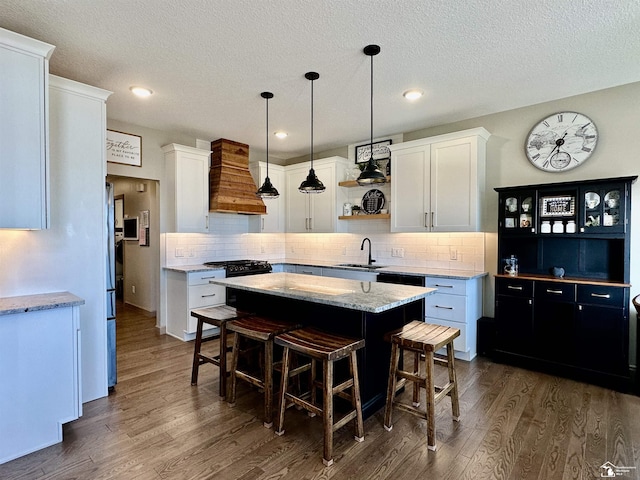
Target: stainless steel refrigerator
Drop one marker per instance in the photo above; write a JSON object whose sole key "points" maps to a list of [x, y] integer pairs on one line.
{"points": [[111, 288]]}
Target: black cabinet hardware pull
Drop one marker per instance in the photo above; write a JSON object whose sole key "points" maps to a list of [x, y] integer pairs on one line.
{"points": [[443, 286], [210, 295], [446, 308]]}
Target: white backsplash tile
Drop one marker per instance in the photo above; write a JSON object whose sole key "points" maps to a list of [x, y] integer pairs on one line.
{"points": [[431, 250]]}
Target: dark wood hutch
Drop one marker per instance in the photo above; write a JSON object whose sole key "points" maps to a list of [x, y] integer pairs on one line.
{"points": [[577, 324]]}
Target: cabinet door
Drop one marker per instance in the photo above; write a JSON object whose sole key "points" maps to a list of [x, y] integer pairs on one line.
{"points": [[454, 186], [514, 315], [410, 195], [517, 212], [602, 328], [554, 321], [274, 220], [322, 215], [297, 204], [187, 171], [603, 208], [23, 132]]}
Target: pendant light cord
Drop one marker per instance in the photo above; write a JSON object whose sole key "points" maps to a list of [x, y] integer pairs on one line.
{"points": [[267, 137], [312, 124], [371, 147]]}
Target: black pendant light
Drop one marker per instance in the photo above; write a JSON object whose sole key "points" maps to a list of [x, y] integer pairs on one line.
{"points": [[312, 184], [267, 190], [371, 173]]}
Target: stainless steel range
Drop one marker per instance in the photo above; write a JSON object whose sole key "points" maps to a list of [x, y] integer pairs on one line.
{"points": [[238, 268]]}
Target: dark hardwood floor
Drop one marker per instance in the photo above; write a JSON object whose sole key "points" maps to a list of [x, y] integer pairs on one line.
{"points": [[516, 424]]}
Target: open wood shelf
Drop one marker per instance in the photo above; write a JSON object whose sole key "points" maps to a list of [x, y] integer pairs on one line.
{"points": [[353, 183]]}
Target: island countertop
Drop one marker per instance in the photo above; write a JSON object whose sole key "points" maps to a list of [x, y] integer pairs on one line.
{"points": [[372, 297]]}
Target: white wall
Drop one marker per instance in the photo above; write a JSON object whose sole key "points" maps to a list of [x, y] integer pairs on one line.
{"points": [[69, 256]]}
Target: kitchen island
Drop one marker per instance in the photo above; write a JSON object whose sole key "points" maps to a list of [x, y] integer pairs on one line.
{"points": [[357, 309]]}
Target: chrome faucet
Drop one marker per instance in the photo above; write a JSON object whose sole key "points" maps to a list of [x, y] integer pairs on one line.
{"points": [[369, 261]]}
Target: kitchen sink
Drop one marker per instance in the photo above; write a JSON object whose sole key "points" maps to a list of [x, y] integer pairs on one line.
{"points": [[360, 265]]}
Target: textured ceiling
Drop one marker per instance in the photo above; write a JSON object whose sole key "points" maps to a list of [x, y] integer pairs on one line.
{"points": [[208, 60]]}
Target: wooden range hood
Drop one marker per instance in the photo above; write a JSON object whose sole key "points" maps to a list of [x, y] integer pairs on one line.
{"points": [[231, 186]]}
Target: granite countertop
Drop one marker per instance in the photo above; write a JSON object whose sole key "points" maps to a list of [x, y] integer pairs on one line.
{"points": [[40, 301], [191, 268], [399, 269], [358, 295], [402, 270]]}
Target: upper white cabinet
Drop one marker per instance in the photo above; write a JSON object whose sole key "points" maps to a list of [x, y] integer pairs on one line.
{"points": [[437, 182], [315, 213], [24, 103], [274, 220], [187, 173]]}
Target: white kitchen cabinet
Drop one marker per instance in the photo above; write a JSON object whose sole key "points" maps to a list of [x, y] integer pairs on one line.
{"points": [[187, 174], [24, 104], [40, 369], [458, 304], [309, 270], [438, 183], [315, 212], [350, 274], [189, 290], [274, 220]]}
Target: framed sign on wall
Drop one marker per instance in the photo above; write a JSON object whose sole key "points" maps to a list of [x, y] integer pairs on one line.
{"points": [[124, 148], [380, 151]]}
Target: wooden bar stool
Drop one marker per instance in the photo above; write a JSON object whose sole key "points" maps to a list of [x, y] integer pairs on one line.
{"points": [[327, 348], [217, 316], [261, 330], [422, 339]]}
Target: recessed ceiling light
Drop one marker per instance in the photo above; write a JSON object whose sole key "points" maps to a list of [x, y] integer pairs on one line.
{"points": [[413, 94], [140, 91], [281, 134]]}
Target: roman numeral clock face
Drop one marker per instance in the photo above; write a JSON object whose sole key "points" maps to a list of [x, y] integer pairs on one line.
{"points": [[561, 141]]}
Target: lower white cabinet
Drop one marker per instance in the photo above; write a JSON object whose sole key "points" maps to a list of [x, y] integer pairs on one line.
{"points": [[308, 270], [457, 304], [40, 371], [186, 291], [350, 274]]}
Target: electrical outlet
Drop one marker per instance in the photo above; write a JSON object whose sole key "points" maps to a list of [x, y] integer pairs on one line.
{"points": [[190, 253], [453, 254], [397, 252], [133, 289], [179, 252]]}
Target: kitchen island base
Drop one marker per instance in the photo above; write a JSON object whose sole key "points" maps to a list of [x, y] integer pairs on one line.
{"points": [[373, 359]]}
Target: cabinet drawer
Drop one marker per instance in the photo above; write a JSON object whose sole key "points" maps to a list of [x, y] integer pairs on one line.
{"points": [[205, 295], [601, 295], [450, 286], [460, 343], [202, 278], [446, 307], [565, 292], [307, 270], [515, 287]]}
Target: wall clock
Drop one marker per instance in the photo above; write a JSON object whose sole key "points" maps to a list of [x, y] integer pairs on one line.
{"points": [[561, 141]]}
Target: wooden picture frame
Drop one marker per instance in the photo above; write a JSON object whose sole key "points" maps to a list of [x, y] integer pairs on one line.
{"points": [[380, 151], [124, 148]]}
